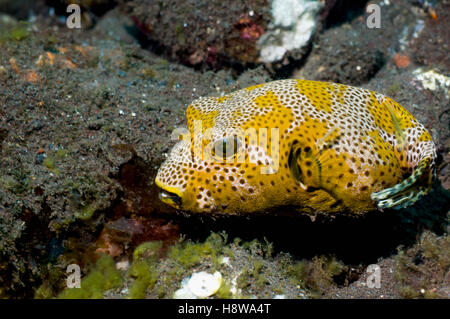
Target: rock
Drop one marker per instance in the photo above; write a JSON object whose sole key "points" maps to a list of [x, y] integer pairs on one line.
{"points": [[115, 25], [325, 63], [205, 33], [352, 53], [431, 43], [21, 9], [236, 33]]}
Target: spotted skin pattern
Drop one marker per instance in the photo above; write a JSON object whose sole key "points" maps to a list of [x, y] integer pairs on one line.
{"points": [[341, 149]]}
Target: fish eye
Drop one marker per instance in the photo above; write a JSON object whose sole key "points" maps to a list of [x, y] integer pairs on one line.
{"points": [[225, 147]]}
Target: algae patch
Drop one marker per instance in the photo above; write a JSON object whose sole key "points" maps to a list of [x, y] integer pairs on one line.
{"points": [[102, 278], [144, 269], [423, 270], [247, 269], [17, 32]]}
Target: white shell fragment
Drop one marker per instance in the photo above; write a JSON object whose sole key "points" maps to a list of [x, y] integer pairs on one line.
{"points": [[199, 285], [184, 293], [431, 80], [293, 24], [225, 261], [203, 284]]}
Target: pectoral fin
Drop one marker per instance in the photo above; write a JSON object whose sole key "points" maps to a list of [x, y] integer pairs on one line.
{"points": [[410, 190]]}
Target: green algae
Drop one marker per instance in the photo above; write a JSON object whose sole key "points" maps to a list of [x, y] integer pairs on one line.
{"points": [[144, 269], [86, 212], [49, 163], [145, 275], [61, 153], [156, 271], [394, 89], [44, 291], [224, 291], [179, 34], [317, 274], [101, 278], [149, 73], [189, 254], [18, 182], [150, 249], [18, 32], [421, 271]]}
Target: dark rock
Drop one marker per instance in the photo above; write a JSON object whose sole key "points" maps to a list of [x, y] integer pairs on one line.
{"points": [[432, 46], [352, 53], [203, 33]]}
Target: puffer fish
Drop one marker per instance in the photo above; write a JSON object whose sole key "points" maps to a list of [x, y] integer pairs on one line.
{"points": [[315, 147]]}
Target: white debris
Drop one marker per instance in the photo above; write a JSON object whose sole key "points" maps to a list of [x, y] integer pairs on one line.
{"points": [[294, 22], [431, 80], [225, 261], [418, 28], [40, 60], [199, 285], [234, 286], [404, 38], [184, 293], [279, 297], [122, 265], [203, 284]]}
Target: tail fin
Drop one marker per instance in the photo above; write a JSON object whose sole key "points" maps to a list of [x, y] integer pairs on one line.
{"points": [[410, 190]]}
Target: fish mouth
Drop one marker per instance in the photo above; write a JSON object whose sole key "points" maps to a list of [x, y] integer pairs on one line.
{"points": [[169, 195], [170, 198]]}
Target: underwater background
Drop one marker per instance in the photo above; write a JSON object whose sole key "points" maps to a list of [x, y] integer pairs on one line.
{"points": [[88, 103]]}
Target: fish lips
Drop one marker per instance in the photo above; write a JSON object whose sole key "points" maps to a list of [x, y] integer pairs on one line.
{"points": [[170, 198]]}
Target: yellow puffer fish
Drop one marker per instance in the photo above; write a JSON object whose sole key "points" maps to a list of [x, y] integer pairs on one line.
{"points": [[313, 146]]}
